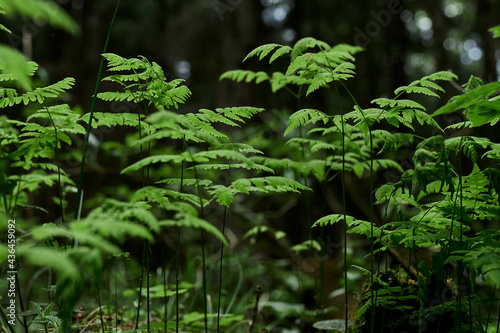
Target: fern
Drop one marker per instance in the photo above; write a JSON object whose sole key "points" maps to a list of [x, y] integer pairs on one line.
{"points": [[426, 85], [304, 117], [468, 99], [225, 195], [263, 50], [239, 75], [190, 221]]}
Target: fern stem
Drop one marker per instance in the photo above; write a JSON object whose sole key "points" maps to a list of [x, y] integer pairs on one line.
{"points": [[220, 269], [4, 317], [103, 325], [140, 289], [92, 108], [344, 211], [177, 253]]}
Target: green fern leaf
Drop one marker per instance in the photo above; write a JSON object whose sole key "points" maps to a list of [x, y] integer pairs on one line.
{"points": [[415, 89], [239, 75], [319, 80], [303, 117], [263, 50], [404, 103], [113, 119], [307, 43], [153, 160], [223, 195], [189, 221], [468, 99], [332, 219]]}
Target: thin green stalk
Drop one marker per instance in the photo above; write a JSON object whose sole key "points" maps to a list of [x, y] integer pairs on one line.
{"points": [[344, 212], [103, 325], [220, 269], [92, 108], [4, 317], [164, 275], [21, 303], [148, 267], [177, 254], [490, 308], [140, 289]]}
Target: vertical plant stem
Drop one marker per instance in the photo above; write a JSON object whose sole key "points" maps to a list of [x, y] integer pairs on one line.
{"points": [[220, 269], [258, 292], [164, 275], [177, 255], [103, 326], [140, 288], [148, 266], [204, 278], [92, 108], [4, 317], [21, 303], [344, 212]]}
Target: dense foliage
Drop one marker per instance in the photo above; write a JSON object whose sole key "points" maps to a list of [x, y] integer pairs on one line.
{"points": [[187, 232]]}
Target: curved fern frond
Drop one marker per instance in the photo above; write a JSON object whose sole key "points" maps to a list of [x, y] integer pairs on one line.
{"points": [[239, 75], [263, 50], [190, 221], [304, 117], [307, 43]]}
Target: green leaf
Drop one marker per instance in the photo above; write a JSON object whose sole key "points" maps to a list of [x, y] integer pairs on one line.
{"points": [[495, 31], [468, 99], [263, 50], [41, 10], [307, 43], [484, 112], [15, 65], [303, 117]]}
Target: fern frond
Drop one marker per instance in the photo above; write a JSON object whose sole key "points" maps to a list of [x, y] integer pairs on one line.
{"points": [[153, 160], [15, 66], [468, 99], [239, 147], [113, 119], [307, 43], [118, 63], [378, 164], [39, 94], [332, 219], [304, 117], [403, 103], [190, 221], [315, 145], [223, 195], [263, 50], [239, 112], [268, 184], [204, 126], [239, 75]]}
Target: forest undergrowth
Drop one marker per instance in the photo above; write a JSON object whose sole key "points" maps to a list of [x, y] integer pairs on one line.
{"points": [[242, 218]]}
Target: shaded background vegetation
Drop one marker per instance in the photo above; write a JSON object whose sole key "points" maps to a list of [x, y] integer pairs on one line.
{"points": [[198, 40]]}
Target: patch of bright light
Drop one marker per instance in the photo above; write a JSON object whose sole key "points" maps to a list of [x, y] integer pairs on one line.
{"points": [[475, 54], [424, 23], [469, 44], [288, 35], [465, 59], [449, 44], [406, 16], [183, 69]]}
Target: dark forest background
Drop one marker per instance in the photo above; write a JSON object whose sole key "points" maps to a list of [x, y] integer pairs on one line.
{"points": [[200, 39]]}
